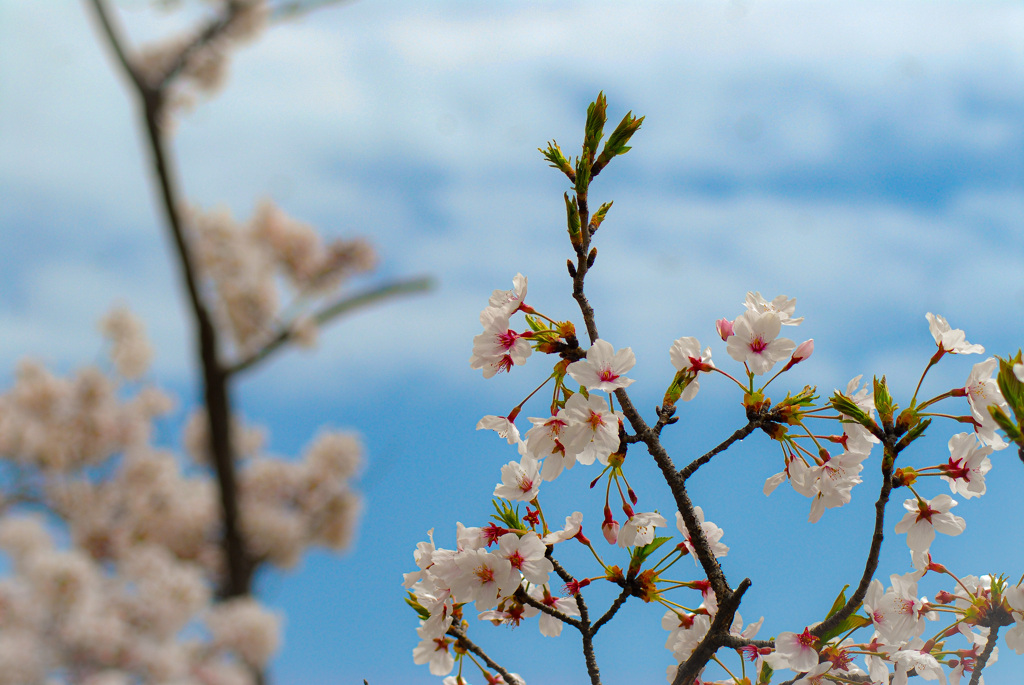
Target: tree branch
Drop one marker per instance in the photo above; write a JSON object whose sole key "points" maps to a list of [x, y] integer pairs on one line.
{"points": [[471, 646], [857, 598], [741, 433], [337, 308]]}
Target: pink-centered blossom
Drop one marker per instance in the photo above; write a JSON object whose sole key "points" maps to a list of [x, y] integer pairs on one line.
{"points": [[593, 430], [549, 625], [756, 342], [967, 466], [685, 355], [520, 480], [604, 369], [924, 517], [526, 555], [794, 651]]}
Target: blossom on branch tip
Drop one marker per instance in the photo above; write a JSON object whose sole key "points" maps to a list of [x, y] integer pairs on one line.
{"points": [[639, 529], [951, 340], [502, 425], [508, 301], [756, 342], [520, 480], [967, 466], [572, 528], [924, 517], [781, 306], [604, 369]]}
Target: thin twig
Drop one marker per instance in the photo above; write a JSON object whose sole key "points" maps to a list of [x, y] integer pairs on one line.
{"points": [[741, 433], [871, 564], [613, 609], [471, 646], [333, 310]]}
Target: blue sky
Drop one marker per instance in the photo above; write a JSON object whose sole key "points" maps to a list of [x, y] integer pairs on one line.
{"points": [[866, 158]]}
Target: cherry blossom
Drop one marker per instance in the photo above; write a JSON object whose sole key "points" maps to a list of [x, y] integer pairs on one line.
{"points": [[781, 306], [526, 554], [604, 369], [549, 625], [502, 425], [593, 428], [639, 529], [951, 340], [571, 529], [520, 480], [508, 301], [794, 651], [711, 532], [924, 517], [983, 392], [756, 342], [967, 466], [685, 355]]}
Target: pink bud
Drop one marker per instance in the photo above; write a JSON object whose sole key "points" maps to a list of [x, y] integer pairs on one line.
{"points": [[724, 328], [610, 528], [803, 350]]}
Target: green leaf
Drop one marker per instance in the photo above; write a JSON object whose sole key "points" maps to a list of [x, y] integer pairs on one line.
{"points": [[556, 159], [572, 211], [840, 601], [845, 405], [595, 221], [583, 165], [765, 676], [1011, 387], [883, 401], [616, 144], [640, 554], [419, 609], [596, 116]]}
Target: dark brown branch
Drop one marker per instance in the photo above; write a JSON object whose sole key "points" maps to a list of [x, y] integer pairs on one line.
{"points": [[613, 609], [741, 433], [986, 654], [702, 654], [333, 310], [525, 598], [871, 565], [471, 646], [117, 44], [215, 391]]}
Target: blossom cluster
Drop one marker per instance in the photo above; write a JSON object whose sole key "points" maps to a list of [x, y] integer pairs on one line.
{"points": [[506, 584], [244, 263], [132, 596]]}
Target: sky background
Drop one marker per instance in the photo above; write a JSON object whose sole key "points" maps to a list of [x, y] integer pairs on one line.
{"points": [[866, 158]]}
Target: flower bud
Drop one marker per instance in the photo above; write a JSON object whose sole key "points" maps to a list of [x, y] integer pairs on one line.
{"points": [[803, 351], [724, 328], [610, 528]]}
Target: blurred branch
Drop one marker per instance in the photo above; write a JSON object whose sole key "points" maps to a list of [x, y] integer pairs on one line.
{"points": [[335, 309], [293, 9], [215, 391]]}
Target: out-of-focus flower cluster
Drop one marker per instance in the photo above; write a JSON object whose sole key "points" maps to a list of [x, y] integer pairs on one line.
{"points": [[245, 264], [195, 62], [115, 584]]}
